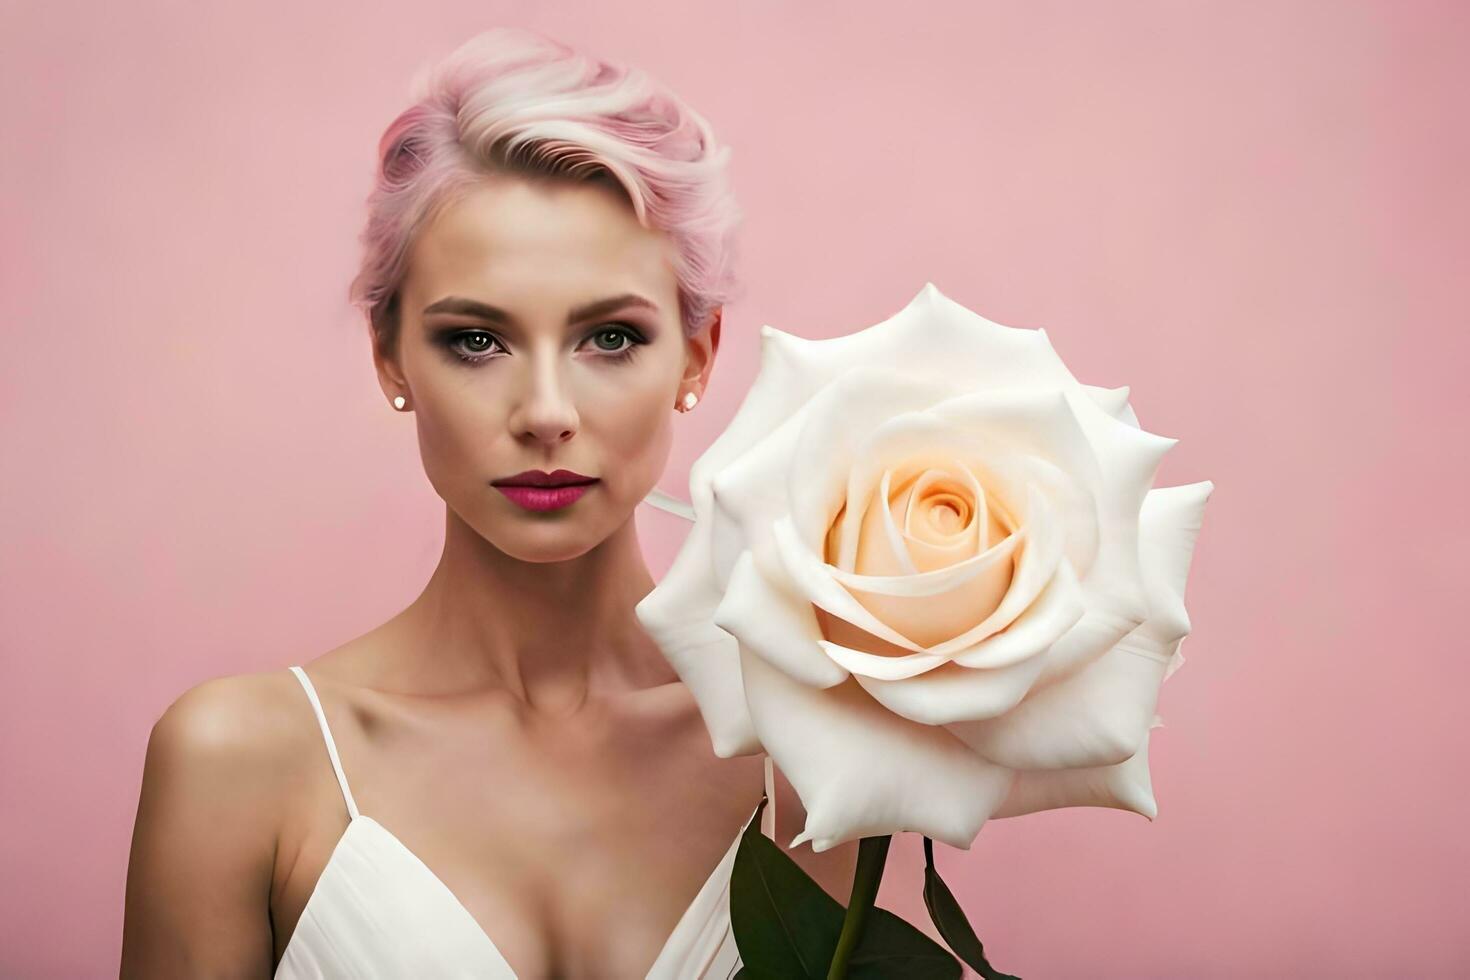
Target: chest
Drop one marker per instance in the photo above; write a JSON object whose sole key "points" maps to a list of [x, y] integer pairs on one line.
{"points": [[568, 853]]}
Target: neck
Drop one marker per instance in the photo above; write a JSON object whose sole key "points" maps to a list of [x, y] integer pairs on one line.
{"points": [[553, 635]]}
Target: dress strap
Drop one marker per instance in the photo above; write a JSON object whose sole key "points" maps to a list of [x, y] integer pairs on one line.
{"points": [[768, 819], [321, 720]]}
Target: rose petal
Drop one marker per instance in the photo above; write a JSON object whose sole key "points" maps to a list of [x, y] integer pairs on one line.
{"points": [[955, 692], [704, 656], [883, 526], [861, 771], [1096, 717], [1169, 525], [833, 437], [1040, 425], [1114, 401], [936, 337], [947, 692], [1061, 606], [781, 386], [813, 578], [1036, 563], [921, 436], [931, 606], [828, 588], [759, 485], [931, 546], [912, 442], [1126, 785], [1129, 459], [1176, 661], [881, 548], [877, 665], [771, 621], [1097, 632], [676, 613], [819, 583], [748, 496], [933, 338]]}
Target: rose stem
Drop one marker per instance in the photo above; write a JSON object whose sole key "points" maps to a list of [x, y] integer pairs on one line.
{"points": [[872, 854]]}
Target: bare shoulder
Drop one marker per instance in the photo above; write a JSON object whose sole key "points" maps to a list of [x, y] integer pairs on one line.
{"points": [[240, 716], [233, 737], [226, 749], [216, 780]]}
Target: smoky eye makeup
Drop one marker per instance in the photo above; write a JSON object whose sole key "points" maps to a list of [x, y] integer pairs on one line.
{"points": [[615, 341]]}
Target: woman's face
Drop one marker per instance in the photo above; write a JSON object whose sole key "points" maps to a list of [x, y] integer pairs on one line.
{"points": [[540, 331]]}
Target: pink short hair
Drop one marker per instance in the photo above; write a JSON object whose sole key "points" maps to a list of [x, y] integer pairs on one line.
{"points": [[511, 101]]}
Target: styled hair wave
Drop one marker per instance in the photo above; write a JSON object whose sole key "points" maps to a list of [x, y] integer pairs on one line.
{"points": [[514, 102]]}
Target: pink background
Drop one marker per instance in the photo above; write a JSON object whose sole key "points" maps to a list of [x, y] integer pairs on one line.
{"points": [[1250, 213]]}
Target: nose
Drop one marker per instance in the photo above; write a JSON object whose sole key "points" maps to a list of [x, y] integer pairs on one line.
{"points": [[545, 410]]}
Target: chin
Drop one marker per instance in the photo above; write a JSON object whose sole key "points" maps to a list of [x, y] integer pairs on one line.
{"points": [[548, 555], [554, 540]]}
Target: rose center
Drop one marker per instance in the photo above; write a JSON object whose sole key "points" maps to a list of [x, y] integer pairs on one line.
{"points": [[947, 513]]}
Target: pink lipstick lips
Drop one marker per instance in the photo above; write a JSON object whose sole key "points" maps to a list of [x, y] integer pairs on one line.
{"points": [[539, 490]]}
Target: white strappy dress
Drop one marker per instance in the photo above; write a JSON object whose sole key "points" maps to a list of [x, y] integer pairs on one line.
{"points": [[378, 913]]}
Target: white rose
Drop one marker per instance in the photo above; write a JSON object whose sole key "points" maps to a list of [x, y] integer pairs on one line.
{"points": [[928, 576]]}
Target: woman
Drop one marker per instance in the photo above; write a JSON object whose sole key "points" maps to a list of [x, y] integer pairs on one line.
{"points": [[506, 779]]}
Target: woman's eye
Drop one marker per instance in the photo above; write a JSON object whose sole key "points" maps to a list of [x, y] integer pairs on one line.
{"points": [[617, 341], [479, 342], [473, 345], [611, 340]]}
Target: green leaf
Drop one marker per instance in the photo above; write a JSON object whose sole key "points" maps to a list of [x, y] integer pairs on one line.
{"points": [[949, 917], [785, 924], [892, 949], [746, 973]]}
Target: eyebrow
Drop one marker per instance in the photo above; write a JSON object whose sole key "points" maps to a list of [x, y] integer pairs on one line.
{"points": [[494, 314]]}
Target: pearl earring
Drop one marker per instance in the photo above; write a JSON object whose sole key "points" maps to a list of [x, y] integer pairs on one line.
{"points": [[690, 400], [399, 401]]}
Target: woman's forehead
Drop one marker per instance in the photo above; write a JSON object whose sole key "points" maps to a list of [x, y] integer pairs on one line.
{"points": [[523, 238]]}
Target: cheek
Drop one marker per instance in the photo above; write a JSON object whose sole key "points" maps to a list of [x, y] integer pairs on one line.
{"points": [[456, 455], [634, 432]]}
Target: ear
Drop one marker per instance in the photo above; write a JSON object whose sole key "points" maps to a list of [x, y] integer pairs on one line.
{"points": [[390, 373], [700, 351]]}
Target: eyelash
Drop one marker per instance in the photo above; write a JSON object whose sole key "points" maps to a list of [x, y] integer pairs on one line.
{"points": [[635, 340]]}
